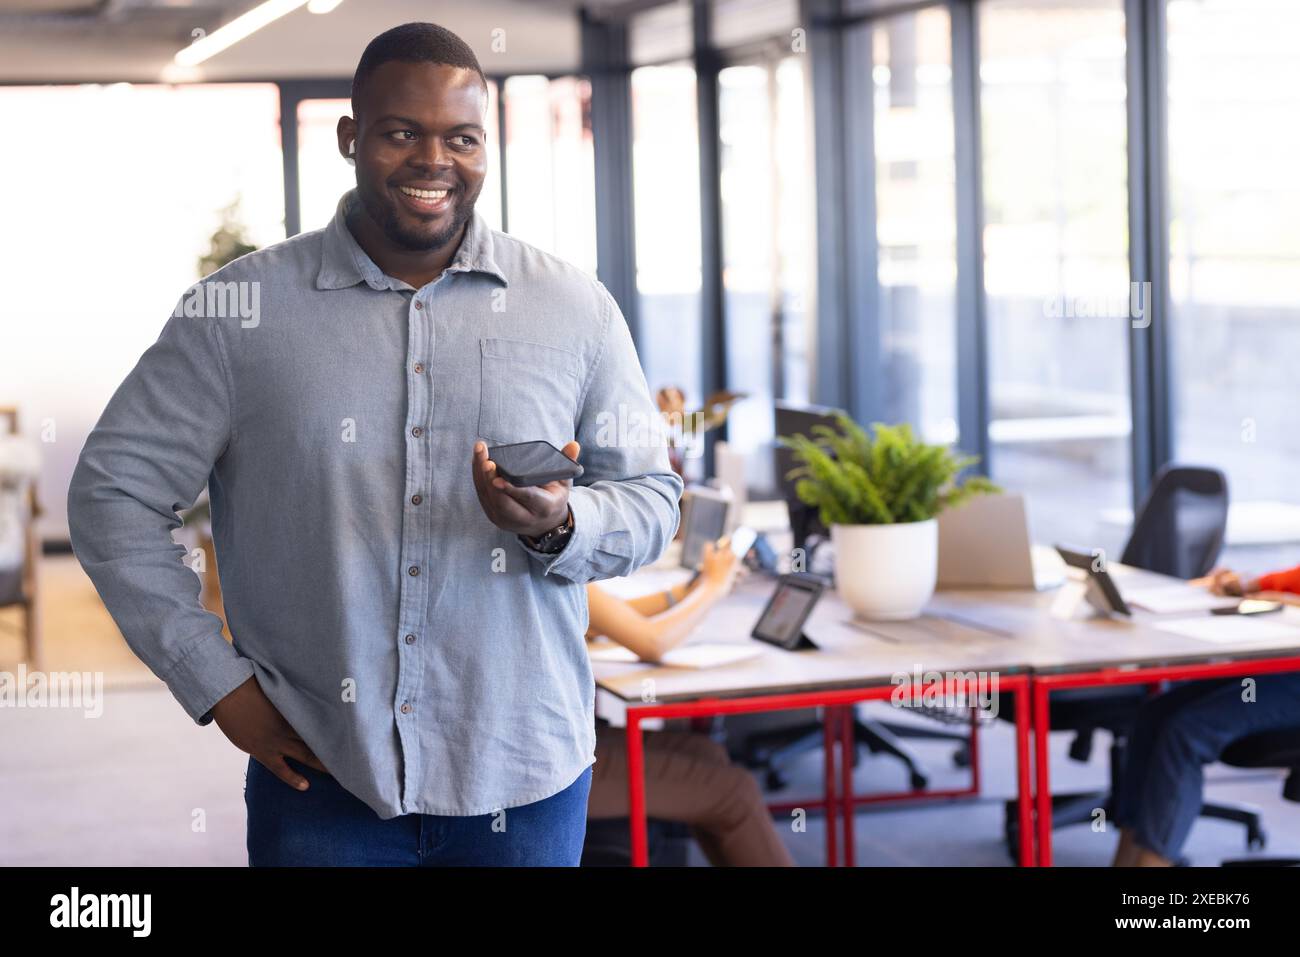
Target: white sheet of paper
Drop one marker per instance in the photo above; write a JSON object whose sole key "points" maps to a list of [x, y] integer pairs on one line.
{"points": [[1170, 599], [711, 655], [1231, 629], [611, 652], [704, 655]]}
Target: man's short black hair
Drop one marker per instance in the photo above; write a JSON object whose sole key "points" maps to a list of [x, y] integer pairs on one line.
{"points": [[414, 43]]}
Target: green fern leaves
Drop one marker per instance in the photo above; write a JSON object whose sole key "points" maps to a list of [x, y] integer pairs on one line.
{"points": [[853, 478]]}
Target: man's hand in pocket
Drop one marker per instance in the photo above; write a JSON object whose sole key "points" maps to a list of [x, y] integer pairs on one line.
{"points": [[255, 726]]}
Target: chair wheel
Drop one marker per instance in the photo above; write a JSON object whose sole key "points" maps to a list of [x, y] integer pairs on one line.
{"points": [[919, 781], [961, 757], [1256, 839]]}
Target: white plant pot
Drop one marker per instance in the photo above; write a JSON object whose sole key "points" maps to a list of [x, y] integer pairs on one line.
{"points": [[886, 572]]}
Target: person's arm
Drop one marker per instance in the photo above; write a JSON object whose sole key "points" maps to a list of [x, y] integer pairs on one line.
{"points": [[657, 601], [1287, 580], [625, 505], [649, 637], [1224, 581], [149, 456]]}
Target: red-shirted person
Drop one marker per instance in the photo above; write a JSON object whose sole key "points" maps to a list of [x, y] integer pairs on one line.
{"points": [[1227, 582], [1177, 733]]}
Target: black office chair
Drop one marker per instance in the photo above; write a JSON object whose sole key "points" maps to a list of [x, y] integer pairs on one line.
{"points": [[1269, 749], [1179, 528], [1178, 531], [609, 843]]}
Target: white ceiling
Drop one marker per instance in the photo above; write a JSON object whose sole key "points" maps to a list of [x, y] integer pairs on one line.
{"points": [[135, 40]]}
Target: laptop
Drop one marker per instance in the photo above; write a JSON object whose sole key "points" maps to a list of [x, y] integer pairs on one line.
{"points": [[984, 543]]}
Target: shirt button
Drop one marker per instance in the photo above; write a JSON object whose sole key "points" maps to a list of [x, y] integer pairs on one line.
{"points": [[416, 499], [406, 708], [419, 304], [419, 368], [413, 570], [417, 431], [410, 639]]}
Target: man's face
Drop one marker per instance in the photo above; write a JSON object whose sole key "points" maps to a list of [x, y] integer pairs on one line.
{"points": [[420, 151]]}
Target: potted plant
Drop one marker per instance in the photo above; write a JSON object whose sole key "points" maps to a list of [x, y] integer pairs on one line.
{"points": [[879, 497]]}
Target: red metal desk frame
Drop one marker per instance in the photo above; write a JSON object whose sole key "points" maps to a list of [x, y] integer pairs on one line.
{"points": [[1042, 685], [838, 729]]}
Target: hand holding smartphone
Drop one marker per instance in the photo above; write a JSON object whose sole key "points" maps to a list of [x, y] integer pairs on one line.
{"points": [[742, 540], [523, 487]]}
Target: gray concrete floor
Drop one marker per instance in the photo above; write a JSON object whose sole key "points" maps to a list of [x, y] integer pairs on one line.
{"points": [[144, 785], [140, 785]]}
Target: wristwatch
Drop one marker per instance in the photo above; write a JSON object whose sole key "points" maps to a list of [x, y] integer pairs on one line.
{"points": [[548, 543]]}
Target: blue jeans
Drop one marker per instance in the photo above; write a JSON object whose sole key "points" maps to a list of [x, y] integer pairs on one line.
{"points": [[327, 825], [1179, 732]]}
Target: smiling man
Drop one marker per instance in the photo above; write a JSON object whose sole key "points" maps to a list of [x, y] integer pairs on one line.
{"points": [[408, 671]]}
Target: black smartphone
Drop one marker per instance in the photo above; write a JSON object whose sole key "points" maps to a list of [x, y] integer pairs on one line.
{"points": [[524, 464], [1249, 606]]}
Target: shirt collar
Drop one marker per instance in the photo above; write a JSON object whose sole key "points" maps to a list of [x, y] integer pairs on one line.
{"points": [[344, 263]]}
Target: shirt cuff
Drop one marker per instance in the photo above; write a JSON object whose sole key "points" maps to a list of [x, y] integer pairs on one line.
{"points": [[210, 671], [571, 561]]}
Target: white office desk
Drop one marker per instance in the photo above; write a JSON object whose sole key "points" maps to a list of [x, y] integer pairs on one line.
{"points": [[1015, 634], [1081, 643], [851, 664], [848, 655]]}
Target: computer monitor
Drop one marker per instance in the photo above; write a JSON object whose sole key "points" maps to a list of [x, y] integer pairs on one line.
{"points": [[793, 419], [704, 519]]}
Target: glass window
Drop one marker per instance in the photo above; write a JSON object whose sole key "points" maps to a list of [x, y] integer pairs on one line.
{"points": [[661, 34], [916, 221], [749, 207], [550, 166], [1052, 88], [666, 203], [737, 22], [766, 210], [323, 175], [796, 237], [489, 199], [156, 166], [1234, 94]]}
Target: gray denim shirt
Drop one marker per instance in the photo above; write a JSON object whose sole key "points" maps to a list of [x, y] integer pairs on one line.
{"points": [[433, 662]]}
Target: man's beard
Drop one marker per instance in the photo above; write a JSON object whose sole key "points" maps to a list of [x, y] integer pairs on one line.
{"points": [[383, 211]]}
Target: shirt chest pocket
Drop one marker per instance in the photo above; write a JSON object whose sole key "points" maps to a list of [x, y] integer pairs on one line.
{"points": [[529, 390]]}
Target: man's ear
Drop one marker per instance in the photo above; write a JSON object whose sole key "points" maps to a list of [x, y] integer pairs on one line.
{"points": [[347, 138]]}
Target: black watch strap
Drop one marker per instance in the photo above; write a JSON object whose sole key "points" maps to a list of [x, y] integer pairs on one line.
{"points": [[553, 541]]}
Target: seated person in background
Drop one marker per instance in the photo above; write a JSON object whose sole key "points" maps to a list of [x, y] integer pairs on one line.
{"points": [[689, 777], [1179, 732]]}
